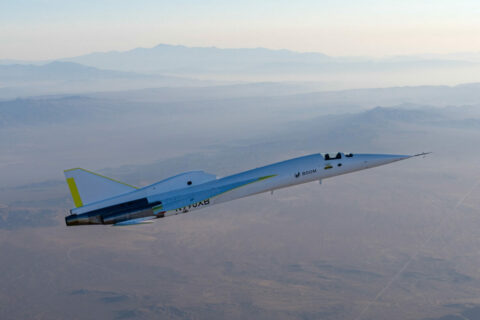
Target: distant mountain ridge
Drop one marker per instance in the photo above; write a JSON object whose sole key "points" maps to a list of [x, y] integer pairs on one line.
{"points": [[60, 77], [179, 66], [58, 70], [178, 59], [184, 60]]}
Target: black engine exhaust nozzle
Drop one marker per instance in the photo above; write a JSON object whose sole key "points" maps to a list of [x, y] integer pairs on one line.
{"points": [[80, 219], [89, 218]]}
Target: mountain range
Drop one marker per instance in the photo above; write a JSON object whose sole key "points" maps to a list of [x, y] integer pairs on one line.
{"points": [[178, 59], [180, 66]]}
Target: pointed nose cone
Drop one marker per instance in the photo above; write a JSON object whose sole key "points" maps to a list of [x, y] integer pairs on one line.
{"points": [[375, 160]]}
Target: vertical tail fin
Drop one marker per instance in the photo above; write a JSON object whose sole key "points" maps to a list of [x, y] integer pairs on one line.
{"points": [[87, 187]]}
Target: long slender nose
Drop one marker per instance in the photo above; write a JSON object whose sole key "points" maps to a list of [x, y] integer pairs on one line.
{"points": [[375, 160]]}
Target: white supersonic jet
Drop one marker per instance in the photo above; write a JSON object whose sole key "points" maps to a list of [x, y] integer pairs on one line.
{"points": [[101, 200]]}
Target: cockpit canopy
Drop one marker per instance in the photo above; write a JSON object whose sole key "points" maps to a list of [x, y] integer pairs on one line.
{"points": [[338, 155]]}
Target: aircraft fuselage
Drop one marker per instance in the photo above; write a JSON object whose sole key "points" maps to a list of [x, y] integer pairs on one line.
{"points": [[197, 190]]}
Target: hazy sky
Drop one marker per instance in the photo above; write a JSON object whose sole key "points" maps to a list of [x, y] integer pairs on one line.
{"points": [[41, 29]]}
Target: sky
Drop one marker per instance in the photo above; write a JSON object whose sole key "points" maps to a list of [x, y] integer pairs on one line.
{"points": [[49, 29]]}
